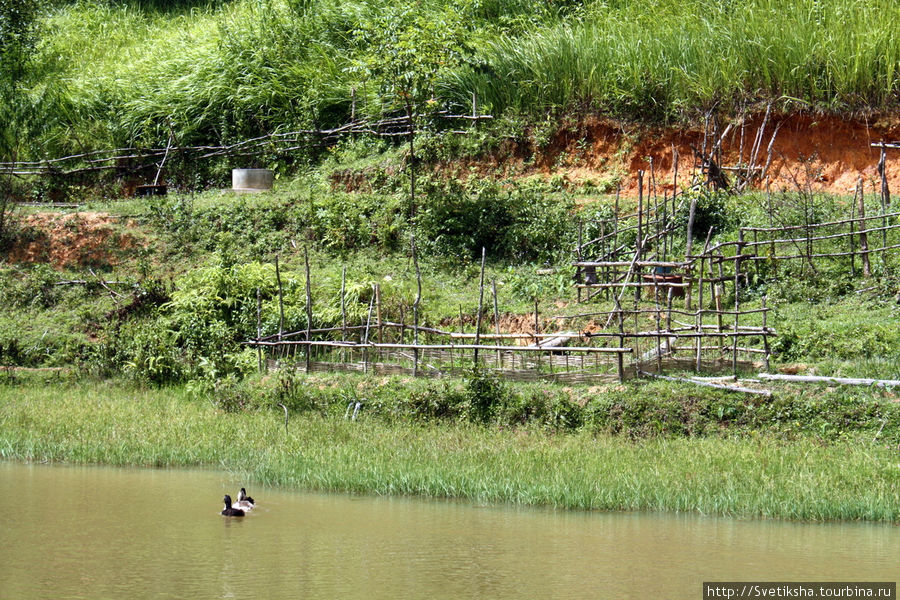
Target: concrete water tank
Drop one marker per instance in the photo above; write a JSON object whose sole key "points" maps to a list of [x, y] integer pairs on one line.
{"points": [[252, 180]]}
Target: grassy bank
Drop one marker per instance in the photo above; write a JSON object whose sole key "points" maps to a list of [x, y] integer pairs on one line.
{"points": [[104, 75], [753, 475], [640, 60]]}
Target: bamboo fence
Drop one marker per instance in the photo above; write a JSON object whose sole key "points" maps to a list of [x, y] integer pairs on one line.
{"points": [[382, 346], [706, 317]]}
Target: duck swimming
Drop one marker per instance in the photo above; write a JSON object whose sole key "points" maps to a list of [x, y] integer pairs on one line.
{"points": [[229, 511], [244, 502]]}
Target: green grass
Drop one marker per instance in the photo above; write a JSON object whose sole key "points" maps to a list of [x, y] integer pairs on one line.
{"points": [[643, 60], [757, 476], [106, 75]]}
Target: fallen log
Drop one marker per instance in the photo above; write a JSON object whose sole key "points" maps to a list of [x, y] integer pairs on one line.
{"points": [[718, 386], [837, 380], [559, 340]]}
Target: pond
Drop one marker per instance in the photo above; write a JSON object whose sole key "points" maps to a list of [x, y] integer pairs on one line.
{"points": [[97, 532]]}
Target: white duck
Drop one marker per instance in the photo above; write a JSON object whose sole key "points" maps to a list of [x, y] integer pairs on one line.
{"points": [[244, 502]]}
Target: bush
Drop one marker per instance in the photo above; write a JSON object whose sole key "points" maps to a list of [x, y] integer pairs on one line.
{"points": [[512, 221], [150, 354], [485, 395]]}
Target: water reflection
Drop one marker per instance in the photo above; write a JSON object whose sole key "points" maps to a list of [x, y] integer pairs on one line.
{"points": [[92, 532]]}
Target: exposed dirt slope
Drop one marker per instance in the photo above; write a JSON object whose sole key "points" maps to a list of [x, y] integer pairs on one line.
{"points": [[829, 152], [81, 239]]}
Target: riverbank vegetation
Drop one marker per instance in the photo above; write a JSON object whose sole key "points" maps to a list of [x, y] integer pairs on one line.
{"points": [[176, 292], [760, 475]]}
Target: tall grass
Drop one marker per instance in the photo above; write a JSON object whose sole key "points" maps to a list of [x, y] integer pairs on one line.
{"points": [[109, 74], [657, 60], [217, 72], [211, 74], [754, 476]]}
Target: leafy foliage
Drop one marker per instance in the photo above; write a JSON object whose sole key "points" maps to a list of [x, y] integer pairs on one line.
{"points": [[518, 222], [409, 51]]}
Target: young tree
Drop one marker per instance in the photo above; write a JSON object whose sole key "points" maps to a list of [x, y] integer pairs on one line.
{"points": [[407, 51]]}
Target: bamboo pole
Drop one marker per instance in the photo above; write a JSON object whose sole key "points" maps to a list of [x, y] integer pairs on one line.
{"points": [[769, 153], [852, 237], [717, 386], [511, 349], [620, 366], [863, 240], [833, 380], [378, 317], [816, 225], [639, 239], [603, 252], [737, 299], [615, 233], [623, 263], [580, 256], [817, 238], [308, 302], [343, 308], [280, 299], [416, 307], [752, 257], [496, 321], [700, 310], [885, 203], [259, 358], [717, 291], [699, 318], [480, 309], [680, 334], [765, 337], [402, 324], [658, 322], [365, 344], [689, 242], [537, 327], [675, 158], [635, 284]]}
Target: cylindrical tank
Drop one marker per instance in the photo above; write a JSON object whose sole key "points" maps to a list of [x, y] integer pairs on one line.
{"points": [[252, 180]]}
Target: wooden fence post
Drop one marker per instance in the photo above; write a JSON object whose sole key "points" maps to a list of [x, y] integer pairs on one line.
{"points": [[416, 303], [639, 241], [259, 358], [308, 306], [496, 321], [863, 239], [480, 310]]}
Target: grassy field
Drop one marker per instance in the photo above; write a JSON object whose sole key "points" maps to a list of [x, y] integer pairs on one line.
{"points": [[754, 476]]}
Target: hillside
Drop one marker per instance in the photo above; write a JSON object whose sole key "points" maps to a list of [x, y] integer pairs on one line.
{"points": [[564, 144]]}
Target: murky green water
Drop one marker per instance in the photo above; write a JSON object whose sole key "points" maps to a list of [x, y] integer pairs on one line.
{"points": [[95, 532]]}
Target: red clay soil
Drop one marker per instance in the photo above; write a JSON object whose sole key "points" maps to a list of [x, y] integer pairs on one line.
{"points": [[828, 152], [72, 240]]}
